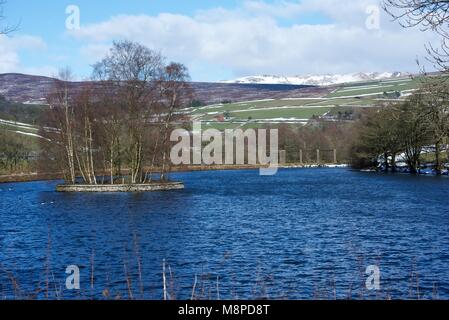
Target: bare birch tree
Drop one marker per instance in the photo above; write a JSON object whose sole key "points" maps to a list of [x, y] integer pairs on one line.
{"points": [[175, 92], [61, 117], [110, 127], [120, 122], [134, 71], [85, 129]]}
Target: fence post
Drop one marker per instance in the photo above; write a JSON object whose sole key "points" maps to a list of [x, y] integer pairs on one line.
{"points": [[282, 157]]}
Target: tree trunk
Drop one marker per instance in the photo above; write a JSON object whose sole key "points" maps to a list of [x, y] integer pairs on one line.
{"points": [[112, 162], [94, 178], [80, 167], [387, 165], [70, 147], [165, 141], [437, 158], [393, 162]]}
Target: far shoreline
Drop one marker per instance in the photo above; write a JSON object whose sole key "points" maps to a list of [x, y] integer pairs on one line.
{"points": [[34, 177]]}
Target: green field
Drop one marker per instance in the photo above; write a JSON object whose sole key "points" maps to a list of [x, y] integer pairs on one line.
{"points": [[220, 108], [14, 126], [346, 98], [375, 88], [300, 113]]}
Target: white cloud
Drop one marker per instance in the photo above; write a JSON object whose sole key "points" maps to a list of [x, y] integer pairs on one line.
{"points": [[10, 48], [94, 52], [252, 39]]}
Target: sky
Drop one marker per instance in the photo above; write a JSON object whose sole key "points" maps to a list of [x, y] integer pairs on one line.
{"points": [[216, 40]]}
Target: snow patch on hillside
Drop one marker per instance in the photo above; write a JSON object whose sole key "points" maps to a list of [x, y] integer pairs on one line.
{"points": [[318, 80]]}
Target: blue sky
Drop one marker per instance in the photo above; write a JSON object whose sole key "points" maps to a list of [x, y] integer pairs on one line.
{"points": [[47, 18], [217, 40]]}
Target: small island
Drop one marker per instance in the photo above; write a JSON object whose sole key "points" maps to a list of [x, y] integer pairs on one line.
{"points": [[149, 187], [113, 134]]}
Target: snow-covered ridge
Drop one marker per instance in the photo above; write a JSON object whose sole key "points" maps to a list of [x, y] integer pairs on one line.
{"points": [[319, 80]]}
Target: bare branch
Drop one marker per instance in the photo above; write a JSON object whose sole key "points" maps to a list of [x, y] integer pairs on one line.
{"points": [[5, 29], [430, 15]]}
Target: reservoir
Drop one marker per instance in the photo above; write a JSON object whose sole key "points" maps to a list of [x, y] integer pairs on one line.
{"points": [[301, 234]]}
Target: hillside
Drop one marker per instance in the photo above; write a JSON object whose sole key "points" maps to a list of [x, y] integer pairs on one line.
{"points": [[339, 104], [29, 89], [233, 105]]}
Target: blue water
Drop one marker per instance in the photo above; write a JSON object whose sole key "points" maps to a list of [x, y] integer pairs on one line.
{"points": [[302, 234]]}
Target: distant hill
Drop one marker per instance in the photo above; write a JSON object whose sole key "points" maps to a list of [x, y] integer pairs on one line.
{"points": [[30, 89], [319, 80], [223, 105]]}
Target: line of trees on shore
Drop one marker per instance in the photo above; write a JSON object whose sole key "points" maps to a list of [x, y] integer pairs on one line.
{"points": [[116, 129], [14, 153], [406, 129], [416, 129], [16, 149], [318, 134]]}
